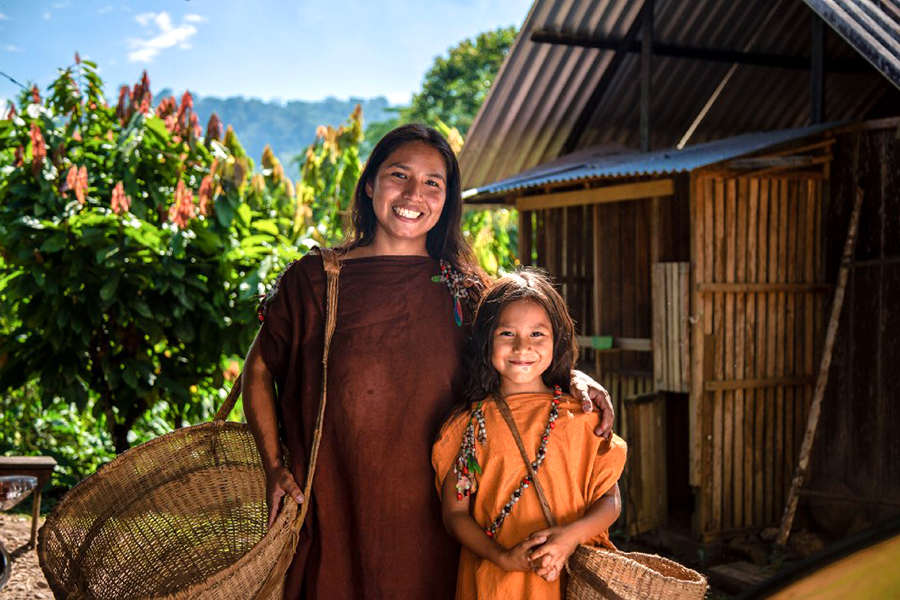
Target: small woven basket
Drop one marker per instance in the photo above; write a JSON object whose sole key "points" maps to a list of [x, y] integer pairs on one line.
{"points": [[599, 574], [181, 516]]}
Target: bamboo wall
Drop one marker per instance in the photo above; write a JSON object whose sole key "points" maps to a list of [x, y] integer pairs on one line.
{"points": [[757, 296], [856, 453]]}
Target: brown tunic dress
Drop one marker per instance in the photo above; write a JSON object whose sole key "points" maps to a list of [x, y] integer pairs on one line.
{"points": [[374, 529]]}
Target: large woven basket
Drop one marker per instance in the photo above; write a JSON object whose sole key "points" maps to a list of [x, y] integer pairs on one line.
{"points": [[598, 574], [181, 516]]}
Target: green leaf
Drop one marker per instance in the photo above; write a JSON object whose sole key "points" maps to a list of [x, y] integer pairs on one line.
{"points": [[142, 309], [55, 243], [245, 214], [108, 291], [104, 254]]}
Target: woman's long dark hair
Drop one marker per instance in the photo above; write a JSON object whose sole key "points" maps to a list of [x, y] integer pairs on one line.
{"points": [[445, 240], [524, 284]]}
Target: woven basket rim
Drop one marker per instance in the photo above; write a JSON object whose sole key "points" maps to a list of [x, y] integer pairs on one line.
{"points": [[696, 576], [79, 489]]}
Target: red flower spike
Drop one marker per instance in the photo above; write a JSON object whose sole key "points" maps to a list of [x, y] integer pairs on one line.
{"points": [[458, 497], [120, 202], [35, 95]]}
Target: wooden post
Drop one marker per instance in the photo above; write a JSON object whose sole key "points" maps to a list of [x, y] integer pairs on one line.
{"points": [[816, 407], [525, 235], [646, 72], [817, 72]]}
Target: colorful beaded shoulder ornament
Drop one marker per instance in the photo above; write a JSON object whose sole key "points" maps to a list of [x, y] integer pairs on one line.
{"points": [[459, 285]]}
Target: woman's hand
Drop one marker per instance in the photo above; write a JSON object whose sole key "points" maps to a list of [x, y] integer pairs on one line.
{"points": [[550, 558], [280, 483], [592, 393], [516, 558]]}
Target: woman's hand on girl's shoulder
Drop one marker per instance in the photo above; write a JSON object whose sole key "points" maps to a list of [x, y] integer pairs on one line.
{"points": [[590, 394]]}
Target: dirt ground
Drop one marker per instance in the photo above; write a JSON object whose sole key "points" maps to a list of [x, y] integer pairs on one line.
{"points": [[26, 581]]}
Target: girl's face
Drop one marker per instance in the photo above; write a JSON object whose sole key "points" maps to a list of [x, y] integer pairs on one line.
{"points": [[522, 347], [408, 194]]}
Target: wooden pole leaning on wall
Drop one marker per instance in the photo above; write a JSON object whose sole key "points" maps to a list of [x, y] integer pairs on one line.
{"points": [[816, 407]]}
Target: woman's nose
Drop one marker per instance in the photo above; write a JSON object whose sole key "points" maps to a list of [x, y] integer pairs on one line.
{"points": [[412, 189]]}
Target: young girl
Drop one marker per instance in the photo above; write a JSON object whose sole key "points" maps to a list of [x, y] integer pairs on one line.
{"points": [[522, 348]]}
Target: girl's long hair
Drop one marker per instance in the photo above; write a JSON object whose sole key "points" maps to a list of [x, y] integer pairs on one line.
{"points": [[524, 284], [445, 240]]}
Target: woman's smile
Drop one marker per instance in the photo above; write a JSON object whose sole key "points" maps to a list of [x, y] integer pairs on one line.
{"points": [[408, 194]]}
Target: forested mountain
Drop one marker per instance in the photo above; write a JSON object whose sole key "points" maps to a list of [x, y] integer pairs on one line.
{"points": [[287, 127]]}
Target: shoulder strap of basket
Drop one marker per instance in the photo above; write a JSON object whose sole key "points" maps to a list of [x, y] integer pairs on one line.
{"points": [[507, 416], [332, 271], [575, 564]]}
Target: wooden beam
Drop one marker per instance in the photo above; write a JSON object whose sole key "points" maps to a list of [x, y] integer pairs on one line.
{"points": [[646, 72], [781, 61], [525, 235], [599, 195], [709, 288]]}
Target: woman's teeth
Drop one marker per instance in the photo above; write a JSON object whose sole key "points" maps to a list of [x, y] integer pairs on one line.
{"points": [[406, 213]]}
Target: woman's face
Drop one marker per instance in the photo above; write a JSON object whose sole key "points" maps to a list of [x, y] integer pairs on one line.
{"points": [[408, 194]]}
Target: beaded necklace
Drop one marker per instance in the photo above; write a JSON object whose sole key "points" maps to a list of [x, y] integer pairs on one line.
{"points": [[457, 283], [467, 468]]}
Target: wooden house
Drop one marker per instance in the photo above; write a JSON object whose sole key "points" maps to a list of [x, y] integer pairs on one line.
{"points": [[700, 275]]}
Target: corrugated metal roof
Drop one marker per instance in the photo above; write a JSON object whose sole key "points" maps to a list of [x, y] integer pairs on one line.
{"points": [[870, 26], [551, 99], [596, 163]]}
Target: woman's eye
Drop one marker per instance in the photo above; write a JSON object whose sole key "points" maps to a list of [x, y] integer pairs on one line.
{"points": [[398, 175], [433, 183]]}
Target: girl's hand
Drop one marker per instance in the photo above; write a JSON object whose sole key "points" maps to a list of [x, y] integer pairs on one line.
{"points": [[516, 558], [280, 482], [591, 393], [550, 558]]}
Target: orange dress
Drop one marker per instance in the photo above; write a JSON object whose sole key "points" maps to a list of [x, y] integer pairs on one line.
{"points": [[578, 469]]}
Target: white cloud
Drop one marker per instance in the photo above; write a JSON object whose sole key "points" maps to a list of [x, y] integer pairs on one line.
{"points": [[105, 9], [12, 48], [195, 19], [62, 4], [166, 36], [46, 15], [3, 17]]}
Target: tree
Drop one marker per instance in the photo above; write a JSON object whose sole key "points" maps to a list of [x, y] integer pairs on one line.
{"points": [[456, 85], [133, 247]]}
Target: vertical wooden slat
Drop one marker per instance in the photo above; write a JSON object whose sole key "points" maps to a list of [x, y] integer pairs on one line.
{"points": [[740, 274], [780, 268], [813, 200], [771, 420], [719, 447], [598, 284], [684, 349], [674, 367], [698, 308], [750, 352], [790, 331], [659, 319], [728, 423], [761, 407]]}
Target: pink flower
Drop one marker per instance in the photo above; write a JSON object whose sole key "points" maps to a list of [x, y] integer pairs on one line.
{"points": [[120, 202], [38, 149], [35, 95], [80, 183], [182, 211], [205, 195]]}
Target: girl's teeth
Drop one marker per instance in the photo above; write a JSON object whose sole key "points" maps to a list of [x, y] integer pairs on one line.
{"points": [[407, 214]]}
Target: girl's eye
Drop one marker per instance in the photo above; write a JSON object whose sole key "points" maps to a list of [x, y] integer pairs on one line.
{"points": [[505, 333], [537, 334]]}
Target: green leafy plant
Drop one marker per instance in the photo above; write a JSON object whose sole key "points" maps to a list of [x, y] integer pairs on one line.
{"points": [[133, 248]]}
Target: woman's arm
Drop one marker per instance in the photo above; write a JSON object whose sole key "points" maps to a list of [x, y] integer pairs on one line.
{"points": [[258, 390], [462, 526], [561, 541], [591, 393]]}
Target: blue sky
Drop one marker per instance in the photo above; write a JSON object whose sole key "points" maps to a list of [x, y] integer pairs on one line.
{"points": [[269, 49]]}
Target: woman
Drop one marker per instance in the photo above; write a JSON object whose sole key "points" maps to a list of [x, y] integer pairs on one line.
{"points": [[374, 529]]}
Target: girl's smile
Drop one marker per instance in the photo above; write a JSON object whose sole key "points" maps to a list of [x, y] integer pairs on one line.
{"points": [[522, 347]]}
